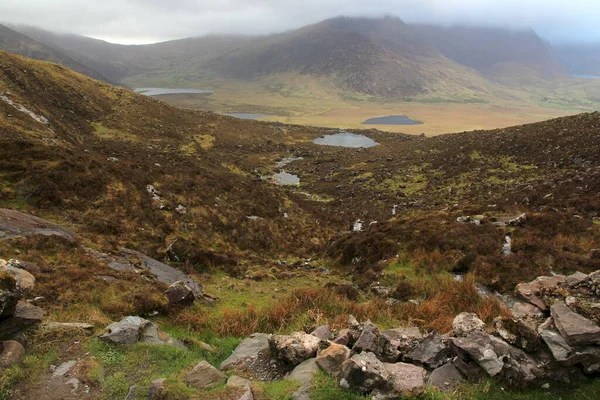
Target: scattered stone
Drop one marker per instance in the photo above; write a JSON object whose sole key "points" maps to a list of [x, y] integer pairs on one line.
{"points": [[381, 291], [346, 337], [519, 333], [25, 315], [353, 322], [331, 359], [446, 378], [240, 383], [575, 279], [204, 376], [63, 369], [577, 330], [478, 348], [393, 343], [466, 323], [74, 383], [24, 280], [131, 330], [180, 294], [68, 326], [305, 371], [11, 352], [322, 332], [432, 352], [365, 373], [534, 291], [368, 339], [294, 348], [246, 352], [157, 390], [405, 379]]}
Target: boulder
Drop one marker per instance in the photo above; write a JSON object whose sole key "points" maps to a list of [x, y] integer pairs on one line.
{"points": [[131, 330], [156, 391], [477, 347], [519, 332], [535, 291], [405, 379], [304, 374], [25, 282], [446, 378], [331, 359], [294, 348], [433, 351], [11, 352], [244, 385], [204, 376], [368, 339], [322, 332], [393, 343], [577, 330], [180, 294], [575, 279], [347, 337], [467, 323], [364, 372], [15, 224], [25, 315]]}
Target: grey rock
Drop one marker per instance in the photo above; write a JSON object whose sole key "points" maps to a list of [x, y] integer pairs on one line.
{"points": [[364, 372], [577, 330], [247, 352], [322, 332], [294, 348], [575, 279], [180, 294], [25, 315], [131, 330], [470, 369], [446, 378], [63, 369], [368, 339], [519, 332], [381, 291], [204, 376], [24, 280], [405, 379], [304, 392], [305, 371], [467, 323], [480, 350], [432, 352], [11, 352], [393, 343], [535, 290], [67, 326], [243, 384], [347, 337]]}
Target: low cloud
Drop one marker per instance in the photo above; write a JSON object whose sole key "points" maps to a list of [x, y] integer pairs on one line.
{"points": [[143, 21]]}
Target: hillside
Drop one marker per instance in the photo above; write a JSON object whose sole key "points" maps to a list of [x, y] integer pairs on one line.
{"points": [[580, 59], [17, 43], [116, 173]]}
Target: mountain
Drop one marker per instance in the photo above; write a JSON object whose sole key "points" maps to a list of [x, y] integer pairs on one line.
{"points": [[493, 50], [17, 43], [581, 59]]}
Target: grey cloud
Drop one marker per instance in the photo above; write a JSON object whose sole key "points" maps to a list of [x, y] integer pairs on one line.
{"points": [[151, 20]]}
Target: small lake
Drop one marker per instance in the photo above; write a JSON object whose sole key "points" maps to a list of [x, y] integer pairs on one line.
{"points": [[346, 139], [285, 178], [392, 120], [586, 76], [247, 116], [161, 91]]}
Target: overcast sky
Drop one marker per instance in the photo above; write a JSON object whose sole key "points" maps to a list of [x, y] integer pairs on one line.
{"points": [[146, 21]]}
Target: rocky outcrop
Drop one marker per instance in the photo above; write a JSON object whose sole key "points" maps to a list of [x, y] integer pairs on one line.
{"points": [[14, 224], [294, 348]]}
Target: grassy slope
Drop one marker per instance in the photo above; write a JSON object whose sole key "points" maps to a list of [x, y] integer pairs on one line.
{"points": [[210, 163]]}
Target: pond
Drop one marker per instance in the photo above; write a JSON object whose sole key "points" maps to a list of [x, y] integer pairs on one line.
{"points": [[346, 139], [161, 91], [247, 116], [392, 120], [285, 178]]}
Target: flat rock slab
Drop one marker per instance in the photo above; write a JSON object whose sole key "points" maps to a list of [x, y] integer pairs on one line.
{"points": [[25, 316], [14, 224], [131, 330], [205, 376], [577, 330], [534, 291]]}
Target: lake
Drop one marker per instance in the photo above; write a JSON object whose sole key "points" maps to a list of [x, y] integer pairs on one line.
{"points": [[391, 120], [346, 139], [247, 116], [161, 91]]}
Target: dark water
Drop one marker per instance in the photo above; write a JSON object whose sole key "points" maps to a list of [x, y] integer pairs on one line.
{"points": [[346, 139], [247, 116], [587, 76], [391, 120], [161, 91]]}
